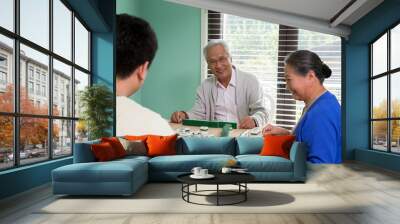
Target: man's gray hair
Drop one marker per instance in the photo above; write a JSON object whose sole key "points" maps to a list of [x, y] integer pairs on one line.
{"points": [[213, 43]]}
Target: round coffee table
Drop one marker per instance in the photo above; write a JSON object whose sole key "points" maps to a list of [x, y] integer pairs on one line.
{"points": [[238, 179]]}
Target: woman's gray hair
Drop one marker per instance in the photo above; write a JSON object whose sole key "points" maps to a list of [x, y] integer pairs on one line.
{"points": [[213, 43]]}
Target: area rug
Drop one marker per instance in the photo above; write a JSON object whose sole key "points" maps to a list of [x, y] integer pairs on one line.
{"points": [[167, 198]]}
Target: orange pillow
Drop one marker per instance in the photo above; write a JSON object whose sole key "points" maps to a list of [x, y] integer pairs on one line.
{"points": [[103, 152], [136, 138], [161, 145], [277, 145], [116, 145]]}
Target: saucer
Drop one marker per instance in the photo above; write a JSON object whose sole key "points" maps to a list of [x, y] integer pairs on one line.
{"points": [[208, 176]]}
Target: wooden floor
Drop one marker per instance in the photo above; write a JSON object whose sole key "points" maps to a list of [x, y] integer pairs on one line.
{"points": [[378, 188]]}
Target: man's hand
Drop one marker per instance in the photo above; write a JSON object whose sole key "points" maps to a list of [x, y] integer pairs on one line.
{"points": [[178, 116], [274, 130], [247, 123]]}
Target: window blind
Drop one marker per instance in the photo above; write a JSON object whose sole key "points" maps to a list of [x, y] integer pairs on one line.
{"points": [[260, 48]]}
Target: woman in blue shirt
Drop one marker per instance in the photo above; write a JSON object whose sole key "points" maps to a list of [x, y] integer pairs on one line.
{"points": [[320, 124]]}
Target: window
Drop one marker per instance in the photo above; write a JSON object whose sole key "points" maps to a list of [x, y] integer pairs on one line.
{"points": [[385, 96], [81, 81], [3, 78], [63, 130], [44, 130], [34, 21], [62, 75], [38, 89], [3, 61], [44, 91], [55, 101], [260, 48], [81, 45], [37, 74], [30, 87], [3, 73], [62, 30], [6, 85], [30, 72], [6, 142], [7, 14]]}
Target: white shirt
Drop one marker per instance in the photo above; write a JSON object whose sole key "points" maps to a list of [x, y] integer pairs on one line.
{"points": [[225, 105], [134, 119]]}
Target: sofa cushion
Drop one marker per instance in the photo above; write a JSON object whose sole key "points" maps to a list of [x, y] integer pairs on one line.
{"points": [[185, 163], [112, 171], [116, 145], [131, 158], [103, 152], [134, 147], [201, 145], [142, 138], [249, 145], [161, 145], [257, 163], [277, 145]]}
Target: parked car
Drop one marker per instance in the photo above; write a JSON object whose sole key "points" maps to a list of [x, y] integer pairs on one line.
{"points": [[22, 155], [10, 156]]}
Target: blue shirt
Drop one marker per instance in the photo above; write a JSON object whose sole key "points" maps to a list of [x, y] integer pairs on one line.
{"points": [[320, 130]]}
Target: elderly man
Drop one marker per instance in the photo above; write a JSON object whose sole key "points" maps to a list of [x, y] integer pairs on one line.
{"points": [[231, 95]]}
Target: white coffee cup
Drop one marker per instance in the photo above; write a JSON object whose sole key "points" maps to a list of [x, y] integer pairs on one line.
{"points": [[196, 170], [226, 170], [203, 172]]}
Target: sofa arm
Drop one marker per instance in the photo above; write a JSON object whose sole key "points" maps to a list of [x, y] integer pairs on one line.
{"points": [[83, 152], [298, 155]]}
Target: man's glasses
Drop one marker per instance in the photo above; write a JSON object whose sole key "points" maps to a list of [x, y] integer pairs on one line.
{"points": [[221, 60]]}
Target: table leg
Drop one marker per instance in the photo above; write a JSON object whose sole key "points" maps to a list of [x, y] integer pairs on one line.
{"points": [[182, 188], [217, 194], [245, 191], [188, 189]]}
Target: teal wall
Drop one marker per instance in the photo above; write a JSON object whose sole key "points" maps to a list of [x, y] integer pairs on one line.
{"points": [[175, 73], [24, 178], [128, 6], [99, 16], [103, 52], [357, 99]]}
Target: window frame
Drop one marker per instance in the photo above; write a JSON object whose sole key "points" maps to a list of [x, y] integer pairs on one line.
{"points": [[388, 74], [16, 115], [284, 115]]}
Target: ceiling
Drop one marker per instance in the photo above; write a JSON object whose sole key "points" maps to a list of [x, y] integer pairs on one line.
{"points": [[320, 9], [326, 16]]}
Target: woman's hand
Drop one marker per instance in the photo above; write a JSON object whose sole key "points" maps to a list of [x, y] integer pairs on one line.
{"points": [[270, 129]]}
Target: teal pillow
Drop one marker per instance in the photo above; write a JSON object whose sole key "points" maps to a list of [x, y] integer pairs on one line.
{"points": [[249, 145], [206, 145]]}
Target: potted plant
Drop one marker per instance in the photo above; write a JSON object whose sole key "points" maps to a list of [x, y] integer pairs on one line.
{"points": [[96, 103]]}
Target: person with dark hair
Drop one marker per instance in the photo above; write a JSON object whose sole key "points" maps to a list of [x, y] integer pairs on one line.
{"points": [[136, 48], [320, 124]]}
